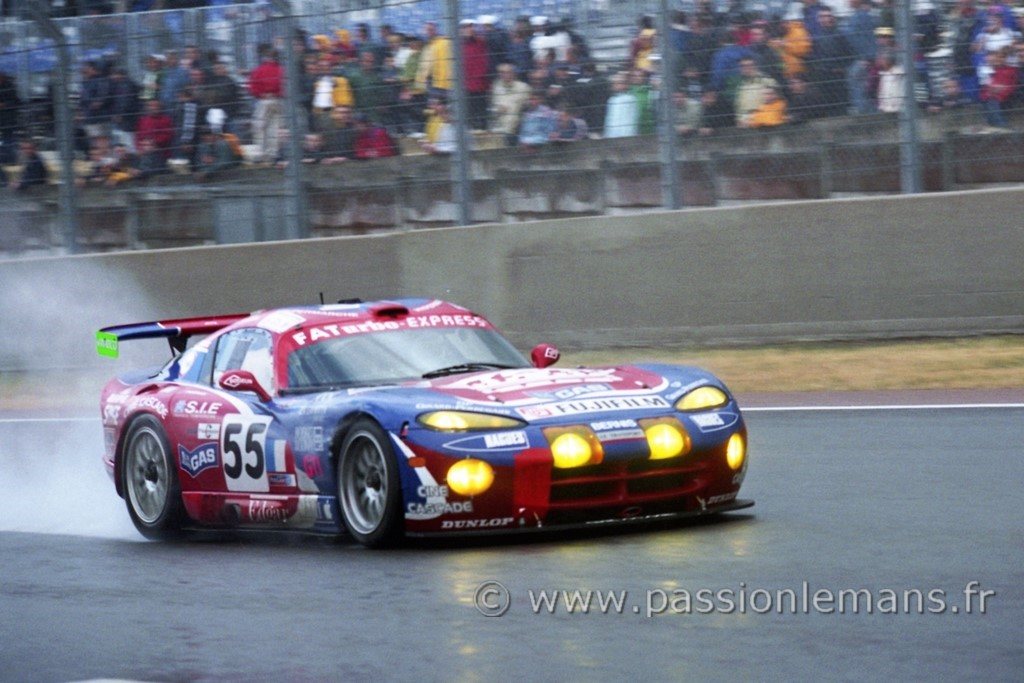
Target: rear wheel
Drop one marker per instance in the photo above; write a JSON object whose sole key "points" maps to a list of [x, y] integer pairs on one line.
{"points": [[150, 483], [369, 489]]}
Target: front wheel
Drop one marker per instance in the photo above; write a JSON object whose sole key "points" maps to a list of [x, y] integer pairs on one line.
{"points": [[150, 483], [369, 489]]}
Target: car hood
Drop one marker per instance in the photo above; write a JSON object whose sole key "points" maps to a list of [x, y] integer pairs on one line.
{"points": [[539, 394]]}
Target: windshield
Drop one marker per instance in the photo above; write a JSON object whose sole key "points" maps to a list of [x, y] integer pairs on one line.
{"points": [[389, 357]]}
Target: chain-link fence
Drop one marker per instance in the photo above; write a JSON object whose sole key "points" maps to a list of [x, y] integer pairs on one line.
{"points": [[185, 127]]}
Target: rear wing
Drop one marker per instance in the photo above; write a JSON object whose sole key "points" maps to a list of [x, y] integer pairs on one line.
{"points": [[176, 332]]}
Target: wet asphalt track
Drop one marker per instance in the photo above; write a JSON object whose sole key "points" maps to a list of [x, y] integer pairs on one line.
{"points": [[900, 500]]}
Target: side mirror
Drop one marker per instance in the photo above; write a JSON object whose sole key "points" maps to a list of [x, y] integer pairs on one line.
{"points": [[544, 355], [243, 380]]}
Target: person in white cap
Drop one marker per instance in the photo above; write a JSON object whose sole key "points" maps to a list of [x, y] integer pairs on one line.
{"points": [[541, 42]]}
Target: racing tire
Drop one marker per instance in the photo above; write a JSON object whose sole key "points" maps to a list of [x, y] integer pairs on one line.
{"points": [[369, 486], [149, 480]]}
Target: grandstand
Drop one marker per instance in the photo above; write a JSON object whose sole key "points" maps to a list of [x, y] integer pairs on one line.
{"points": [[815, 146]]}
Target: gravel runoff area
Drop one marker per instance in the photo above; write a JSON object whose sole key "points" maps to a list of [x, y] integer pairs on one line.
{"points": [[983, 368]]}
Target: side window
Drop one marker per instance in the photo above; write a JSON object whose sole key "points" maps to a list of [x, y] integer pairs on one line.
{"points": [[248, 349]]}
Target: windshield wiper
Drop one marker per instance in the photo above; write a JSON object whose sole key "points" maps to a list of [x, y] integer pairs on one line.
{"points": [[465, 367]]}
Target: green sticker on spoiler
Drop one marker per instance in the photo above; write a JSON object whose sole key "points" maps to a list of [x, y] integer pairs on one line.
{"points": [[106, 344]]}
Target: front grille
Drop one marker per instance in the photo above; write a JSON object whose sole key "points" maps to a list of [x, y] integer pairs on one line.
{"points": [[624, 483]]}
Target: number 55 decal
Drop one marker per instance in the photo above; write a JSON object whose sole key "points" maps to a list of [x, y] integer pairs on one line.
{"points": [[243, 443]]}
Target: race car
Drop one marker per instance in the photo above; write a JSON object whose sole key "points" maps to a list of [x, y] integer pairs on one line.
{"points": [[408, 417]]}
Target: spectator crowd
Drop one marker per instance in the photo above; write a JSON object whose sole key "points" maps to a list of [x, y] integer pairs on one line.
{"points": [[531, 85]]}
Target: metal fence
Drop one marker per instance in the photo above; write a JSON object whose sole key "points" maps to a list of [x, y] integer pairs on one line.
{"points": [[209, 125]]}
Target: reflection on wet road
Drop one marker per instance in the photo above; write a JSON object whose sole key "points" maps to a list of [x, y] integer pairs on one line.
{"points": [[921, 500]]}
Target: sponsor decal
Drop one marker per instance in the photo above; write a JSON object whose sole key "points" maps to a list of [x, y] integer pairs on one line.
{"points": [[309, 438], [571, 392], [147, 403], [325, 506], [530, 378], [613, 425], [281, 479], [312, 466], [202, 408], [267, 511], [438, 509], [430, 491], [281, 321], [243, 441], [712, 422], [738, 478], [595, 405], [493, 523], [505, 439], [233, 381], [617, 430], [277, 456], [437, 502], [203, 457], [120, 397], [415, 321], [106, 344], [464, 405], [313, 410], [322, 332], [499, 441], [208, 430], [111, 413]]}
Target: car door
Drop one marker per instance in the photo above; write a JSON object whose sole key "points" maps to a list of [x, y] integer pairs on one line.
{"points": [[248, 456]]}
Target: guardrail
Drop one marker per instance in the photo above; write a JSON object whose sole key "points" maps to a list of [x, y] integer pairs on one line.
{"points": [[895, 266]]}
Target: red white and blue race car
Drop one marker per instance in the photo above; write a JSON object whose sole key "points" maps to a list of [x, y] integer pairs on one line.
{"points": [[405, 417]]}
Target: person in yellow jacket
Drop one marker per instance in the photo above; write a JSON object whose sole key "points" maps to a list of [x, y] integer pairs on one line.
{"points": [[794, 45], [435, 69], [772, 111]]}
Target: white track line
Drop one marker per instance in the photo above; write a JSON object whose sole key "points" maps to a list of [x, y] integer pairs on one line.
{"points": [[919, 406], [21, 420]]}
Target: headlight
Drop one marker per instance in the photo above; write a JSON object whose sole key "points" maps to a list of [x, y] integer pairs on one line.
{"points": [[666, 438], [735, 451], [702, 398], [461, 421], [470, 477], [574, 446]]}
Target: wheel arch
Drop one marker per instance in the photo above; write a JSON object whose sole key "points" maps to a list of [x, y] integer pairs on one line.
{"points": [[122, 440]]}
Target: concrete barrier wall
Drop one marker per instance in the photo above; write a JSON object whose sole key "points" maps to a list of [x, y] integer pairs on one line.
{"points": [[841, 269]]}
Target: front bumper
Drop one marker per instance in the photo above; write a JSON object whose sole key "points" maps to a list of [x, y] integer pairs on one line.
{"points": [[731, 506]]}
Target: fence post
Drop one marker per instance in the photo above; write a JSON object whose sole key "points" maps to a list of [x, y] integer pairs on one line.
{"points": [[460, 170], [667, 129], [910, 157], [299, 227], [68, 198]]}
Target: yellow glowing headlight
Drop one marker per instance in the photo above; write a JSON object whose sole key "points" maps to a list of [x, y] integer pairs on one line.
{"points": [[470, 477], [574, 446], [702, 398], [736, 451], [460, 421], [666, 438]]}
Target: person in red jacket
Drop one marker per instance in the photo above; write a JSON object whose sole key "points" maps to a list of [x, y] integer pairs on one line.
{"points": [[155, 128], [1000, 87], [266, 85], [475, 63], [372, 141]]}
